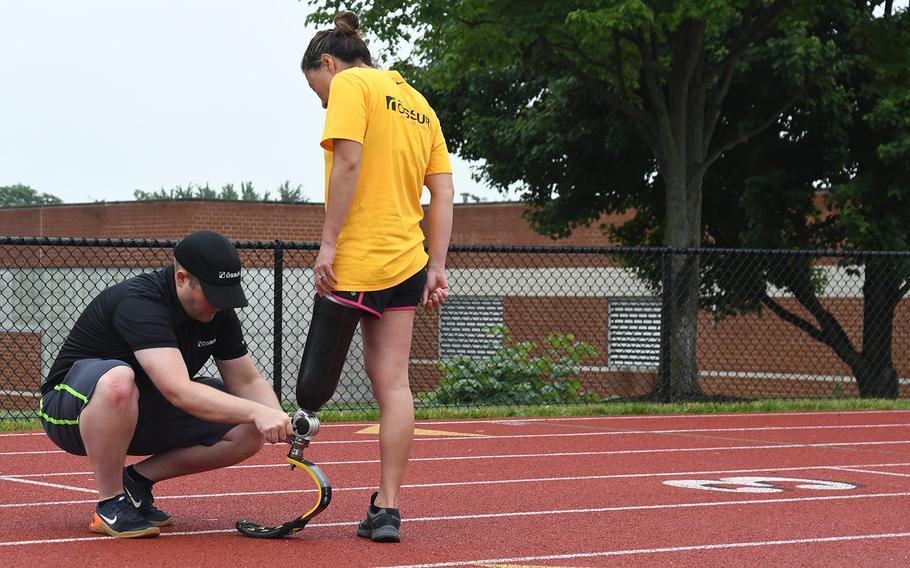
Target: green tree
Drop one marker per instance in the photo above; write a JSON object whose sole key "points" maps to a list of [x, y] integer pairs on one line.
{"points": [[287, 194], [591, 106], [248, 193], [849, 143], [19, 195], [205, 192], [228, 192]]}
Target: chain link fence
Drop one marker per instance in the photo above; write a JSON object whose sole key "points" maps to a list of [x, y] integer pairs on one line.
{"points": [[528, 325]]}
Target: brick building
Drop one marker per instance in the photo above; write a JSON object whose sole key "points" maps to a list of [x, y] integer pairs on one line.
{"points": [[480, 223], [752, 355]]}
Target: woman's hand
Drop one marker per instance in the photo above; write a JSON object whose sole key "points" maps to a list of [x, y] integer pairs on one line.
{"points": [[436, 289], [323, 277]]}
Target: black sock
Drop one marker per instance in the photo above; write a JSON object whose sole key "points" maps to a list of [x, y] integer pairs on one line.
{"points": [[138, 477], [109, 499]]}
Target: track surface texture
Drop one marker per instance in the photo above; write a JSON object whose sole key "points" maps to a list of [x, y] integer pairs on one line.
{"points": [[785, 489]]}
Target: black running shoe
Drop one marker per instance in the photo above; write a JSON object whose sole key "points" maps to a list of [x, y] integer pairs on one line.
{"points": [[381, 524], [116, 517], [139, 495]]}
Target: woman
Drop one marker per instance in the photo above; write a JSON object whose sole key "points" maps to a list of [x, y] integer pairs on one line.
{"points": [[382, 144]]}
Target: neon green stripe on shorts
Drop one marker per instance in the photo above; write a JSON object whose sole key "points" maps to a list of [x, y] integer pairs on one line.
{"points": [[60, 421]]}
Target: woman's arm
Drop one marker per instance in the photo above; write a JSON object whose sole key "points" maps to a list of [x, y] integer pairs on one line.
{"points": [[342, 186], [442, 193]]}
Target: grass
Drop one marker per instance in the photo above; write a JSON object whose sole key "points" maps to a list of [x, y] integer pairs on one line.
{"points": [[604, 409]]}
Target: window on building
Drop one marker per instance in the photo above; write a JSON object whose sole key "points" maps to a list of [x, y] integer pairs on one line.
{"points": [[462, 324], [634, 332]]}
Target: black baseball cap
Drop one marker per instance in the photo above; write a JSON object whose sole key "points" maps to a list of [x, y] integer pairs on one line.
{"points": [[211, 258]]}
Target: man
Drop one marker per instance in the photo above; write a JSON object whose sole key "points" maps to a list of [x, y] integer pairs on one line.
{"points": [[123, 384]]}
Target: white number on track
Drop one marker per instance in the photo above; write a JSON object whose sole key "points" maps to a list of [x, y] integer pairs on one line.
{"points": [[760, 484]]}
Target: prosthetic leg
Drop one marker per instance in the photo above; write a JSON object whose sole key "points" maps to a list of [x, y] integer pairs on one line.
{"points": [[329, 338], [306, 425]]}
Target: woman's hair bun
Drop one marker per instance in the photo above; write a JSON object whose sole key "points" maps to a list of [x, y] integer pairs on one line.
{"points": [[348, 23]]}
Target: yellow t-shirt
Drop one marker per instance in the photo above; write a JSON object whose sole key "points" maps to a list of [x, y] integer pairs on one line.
{"points": [[381, 243]]}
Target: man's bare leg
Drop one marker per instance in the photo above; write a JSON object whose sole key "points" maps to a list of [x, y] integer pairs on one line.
{"points": [[107, 424], [238, 444]]}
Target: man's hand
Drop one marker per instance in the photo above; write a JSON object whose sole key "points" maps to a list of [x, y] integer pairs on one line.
{"points": [[275, 425]]}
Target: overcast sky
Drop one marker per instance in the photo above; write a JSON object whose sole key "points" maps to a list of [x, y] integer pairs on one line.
{"points": [[103, 97], [99, 98]]}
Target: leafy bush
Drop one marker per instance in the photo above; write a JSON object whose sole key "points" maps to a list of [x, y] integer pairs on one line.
{"points": [[518, 373]]}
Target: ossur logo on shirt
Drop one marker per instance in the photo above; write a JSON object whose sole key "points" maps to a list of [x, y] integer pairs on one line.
{"points": [[395, 105], [206, 342]]}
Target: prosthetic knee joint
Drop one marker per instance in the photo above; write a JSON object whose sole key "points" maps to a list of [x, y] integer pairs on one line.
{"points": [[306, 425]]}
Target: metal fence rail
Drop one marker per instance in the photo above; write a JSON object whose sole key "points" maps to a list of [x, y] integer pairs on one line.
{"points": [[528, 325]]}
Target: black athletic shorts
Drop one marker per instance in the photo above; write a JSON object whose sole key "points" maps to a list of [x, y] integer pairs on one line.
{"points": [[404, 296], [161, 425]]}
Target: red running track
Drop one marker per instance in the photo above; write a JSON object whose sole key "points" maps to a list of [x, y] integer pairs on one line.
{"points": [[793, 489]]}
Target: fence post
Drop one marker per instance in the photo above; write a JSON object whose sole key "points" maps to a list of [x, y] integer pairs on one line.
{"points": [[277, 383], [666, 315]]}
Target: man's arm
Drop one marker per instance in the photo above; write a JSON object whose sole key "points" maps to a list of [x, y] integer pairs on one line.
{"points": [[242, 378], [166, 369]]}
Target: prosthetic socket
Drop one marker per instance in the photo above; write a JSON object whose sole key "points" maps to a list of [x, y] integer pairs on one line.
{"points": [[327, 343]]}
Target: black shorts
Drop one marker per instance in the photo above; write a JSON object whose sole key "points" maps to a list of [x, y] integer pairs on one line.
{"points": [[404, 296], [161, 426]]}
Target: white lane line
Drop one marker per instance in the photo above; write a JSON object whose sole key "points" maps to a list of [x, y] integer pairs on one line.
{"points": [[624, 417], [611, 476], [543, 455], [844, 468], [459, 483], [633, 452], [757, 414], [524, 514], [474, 436], [483, 482], [45, 484], [35, 452], [417, 439], [17, 434], [635, 551]]}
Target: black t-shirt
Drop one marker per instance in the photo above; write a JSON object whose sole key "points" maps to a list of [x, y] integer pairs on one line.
{"points": [[142, 313]]}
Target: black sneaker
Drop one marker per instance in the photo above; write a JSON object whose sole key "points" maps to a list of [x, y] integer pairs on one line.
{"points": [[139, 495], [116, 517], [381, 525]]}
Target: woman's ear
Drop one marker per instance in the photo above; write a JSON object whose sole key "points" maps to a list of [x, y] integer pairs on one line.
{"points": [[328, 62]]}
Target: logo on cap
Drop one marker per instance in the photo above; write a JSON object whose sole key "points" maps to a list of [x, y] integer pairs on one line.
{"points": [[212, 259]]}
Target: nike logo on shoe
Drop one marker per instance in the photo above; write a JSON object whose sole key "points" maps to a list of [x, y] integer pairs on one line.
{"points": [[108, 521], [135, 503]]}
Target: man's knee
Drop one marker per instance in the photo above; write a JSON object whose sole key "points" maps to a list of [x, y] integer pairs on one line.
{"points": [[247, 440], [117, 389]]}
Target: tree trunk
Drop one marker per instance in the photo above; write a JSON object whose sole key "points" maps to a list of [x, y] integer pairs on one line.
{"points": [[683, 231], [683, 328], [875, 373], [876, 378]]}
